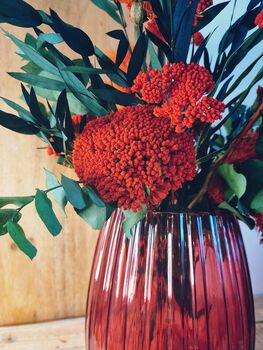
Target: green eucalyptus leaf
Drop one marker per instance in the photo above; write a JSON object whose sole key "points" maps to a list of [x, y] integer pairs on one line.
{"points": [[94, 196], [17, 234], [74, 193], [58, 193], [7, 215], [94, 216], [18, 201], [132, 218], [46, 213], [257, 202], [16, 124], [236, 181]]}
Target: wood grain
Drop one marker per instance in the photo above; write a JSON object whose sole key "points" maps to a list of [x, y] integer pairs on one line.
{"points": [[70, 335], [55, 284]]}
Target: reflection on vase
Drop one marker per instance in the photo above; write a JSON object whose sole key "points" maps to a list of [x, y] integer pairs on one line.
{"points": [[180, 283]]}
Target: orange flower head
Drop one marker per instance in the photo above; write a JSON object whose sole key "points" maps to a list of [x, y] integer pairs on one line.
{"points": [[181, 90], [246, 150], [134, 158], [259, 19], [198, 38]]}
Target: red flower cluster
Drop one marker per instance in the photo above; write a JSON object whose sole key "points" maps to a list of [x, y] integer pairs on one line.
{"points": [[197, 38], [259, 20], [133, 158], [180, 88]]}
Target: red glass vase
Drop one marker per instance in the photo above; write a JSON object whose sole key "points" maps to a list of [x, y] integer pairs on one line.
{"points": [[180, 283]]}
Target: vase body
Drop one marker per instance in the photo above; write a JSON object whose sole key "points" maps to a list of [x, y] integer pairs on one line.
{"points": [[180, 283]]}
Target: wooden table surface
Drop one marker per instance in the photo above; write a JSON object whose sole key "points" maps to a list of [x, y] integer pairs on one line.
{"points": [[69, 334]]}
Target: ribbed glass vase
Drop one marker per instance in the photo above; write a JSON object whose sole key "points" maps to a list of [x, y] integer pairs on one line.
{"points": [[180, 283]]}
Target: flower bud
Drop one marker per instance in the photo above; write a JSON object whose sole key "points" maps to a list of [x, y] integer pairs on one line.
{"points": [[137, 12]]}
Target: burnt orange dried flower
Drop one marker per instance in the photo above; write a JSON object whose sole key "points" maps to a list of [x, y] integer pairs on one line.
{"points": [[216, 190], [202, 6], [180, 89], [246, 150], [51, 151], [151, 24], [197, 38], [259, 19], [133, 158]]}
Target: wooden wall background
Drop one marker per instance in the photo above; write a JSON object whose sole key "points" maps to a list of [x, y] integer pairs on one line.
{"points": [[55, 284]]}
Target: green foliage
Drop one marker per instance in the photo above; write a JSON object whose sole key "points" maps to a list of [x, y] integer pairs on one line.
{"points": [[209, 15], [18, 201], [122, 47], [137, 57], [154, 60], [33, 55], [16, 124], [94, 216], [183, 27], [80, 91], [247, 220], [237, 182], [132, 218], [110, 7], [74, 193], [257, 202], [76, 39], [58, 192], [7, 215], [45, 211], [19, 13], [17, 234]]}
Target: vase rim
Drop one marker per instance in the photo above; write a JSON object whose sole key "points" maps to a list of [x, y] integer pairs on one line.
{"points": [[220, 212]]}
